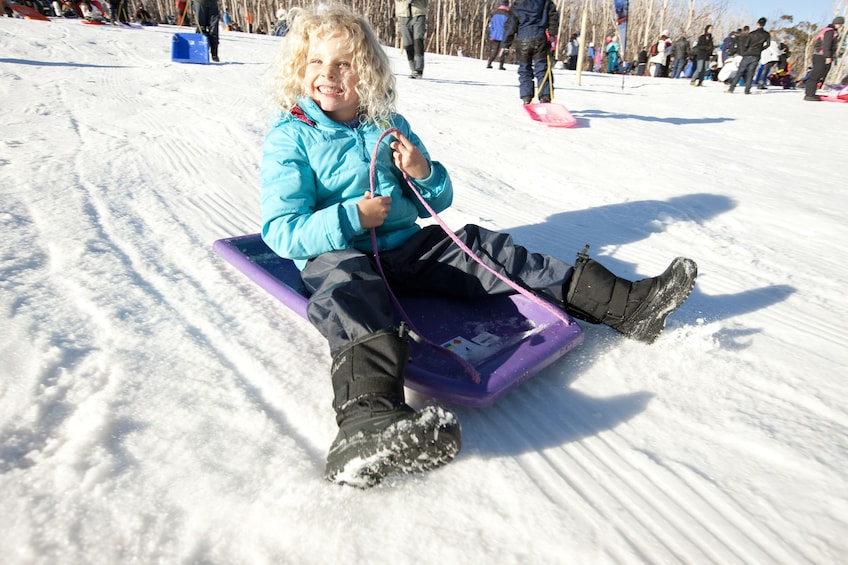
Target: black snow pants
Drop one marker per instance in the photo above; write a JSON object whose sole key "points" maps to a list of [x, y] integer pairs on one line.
{"points": [[349, 299]]}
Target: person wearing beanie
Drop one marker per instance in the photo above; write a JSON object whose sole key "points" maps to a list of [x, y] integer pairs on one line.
{"points": [[750, 47], [498, 24], [823, 50]]}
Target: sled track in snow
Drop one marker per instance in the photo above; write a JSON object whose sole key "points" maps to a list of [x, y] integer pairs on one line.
{"points": [[664, 511]]}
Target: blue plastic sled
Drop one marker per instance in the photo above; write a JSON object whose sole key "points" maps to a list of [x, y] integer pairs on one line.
{"points": [[507, 338], [190, 48]]}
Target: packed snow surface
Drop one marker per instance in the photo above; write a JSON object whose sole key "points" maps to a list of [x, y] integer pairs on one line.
{"points": [[158, 407]]}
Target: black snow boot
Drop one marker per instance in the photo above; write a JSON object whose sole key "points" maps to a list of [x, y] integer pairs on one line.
{"points": [[636, 309], [214, 48], [379, 434]]}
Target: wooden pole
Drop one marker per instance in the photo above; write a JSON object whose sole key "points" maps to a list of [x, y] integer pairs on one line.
{"points": [[581, 43]]}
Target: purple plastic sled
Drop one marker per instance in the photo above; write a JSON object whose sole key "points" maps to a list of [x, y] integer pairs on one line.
{"points": [[507, 338]]}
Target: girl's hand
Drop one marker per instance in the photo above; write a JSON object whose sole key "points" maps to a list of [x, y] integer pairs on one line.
{"points": [[373, 211], [408, 158]]}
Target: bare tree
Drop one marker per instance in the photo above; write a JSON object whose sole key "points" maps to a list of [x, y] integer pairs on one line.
{"points": [[456, 26]]}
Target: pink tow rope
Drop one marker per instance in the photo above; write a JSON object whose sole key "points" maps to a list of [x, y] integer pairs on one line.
{"points": [[469, 368]]}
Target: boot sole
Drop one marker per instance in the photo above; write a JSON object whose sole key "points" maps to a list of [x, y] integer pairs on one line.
{"points": [[682, 273], [429, 439]]}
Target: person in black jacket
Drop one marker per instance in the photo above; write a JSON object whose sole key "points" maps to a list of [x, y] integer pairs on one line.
{"points": [[750, 47], [825, 48], [207, 14], [532, 32], [703, 51], [642, 62]]}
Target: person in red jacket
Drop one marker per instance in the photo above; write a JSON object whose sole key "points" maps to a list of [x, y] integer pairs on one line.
{"points": [[825, 47]]}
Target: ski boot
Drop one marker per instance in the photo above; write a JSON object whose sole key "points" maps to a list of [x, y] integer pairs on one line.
{"points": [[637, 310], [379, 434]]}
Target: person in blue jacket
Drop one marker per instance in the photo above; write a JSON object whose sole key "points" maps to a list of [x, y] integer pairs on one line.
{"points": [[336, 93], [498, 24], [533, 36]]}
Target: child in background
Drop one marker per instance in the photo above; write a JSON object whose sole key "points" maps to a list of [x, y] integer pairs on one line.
{"points": [[336, 92], [532, 33], [498, 24]]}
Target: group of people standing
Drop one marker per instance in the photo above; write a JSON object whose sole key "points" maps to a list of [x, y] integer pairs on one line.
{"points": [[529, 30], [742, 53], [752, 49]]}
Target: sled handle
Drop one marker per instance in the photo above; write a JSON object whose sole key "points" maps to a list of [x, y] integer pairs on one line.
{"points": [[516, 287]]}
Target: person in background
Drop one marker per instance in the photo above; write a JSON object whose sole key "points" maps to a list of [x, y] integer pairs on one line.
{"points": [[68, 10], [115, 11], [729, 47], [824, 49], [91, 13], [751, 46], [660, 58], [680, 54], [768, 58], [612, 49], [703, 51], [281, 26], [642, 61], [532, 31], [183, 18], [573, 51], [498, 24], [143, 16], [207, 14], [412, 20]]}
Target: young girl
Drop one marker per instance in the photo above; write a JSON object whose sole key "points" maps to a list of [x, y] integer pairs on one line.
{"points": [[336, 90]]}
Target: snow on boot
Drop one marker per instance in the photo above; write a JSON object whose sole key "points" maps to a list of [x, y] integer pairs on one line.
{"points": [[638, 309], [379, 434]]}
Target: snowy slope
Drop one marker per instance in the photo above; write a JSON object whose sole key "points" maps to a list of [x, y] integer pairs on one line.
{"points": [[155, 406]]}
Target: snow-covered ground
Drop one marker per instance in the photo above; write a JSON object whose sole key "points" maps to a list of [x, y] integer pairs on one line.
{"points": [[157, 407]]}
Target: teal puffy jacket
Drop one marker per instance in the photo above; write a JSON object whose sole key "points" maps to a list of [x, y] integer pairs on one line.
{"points": [[315, 170]]}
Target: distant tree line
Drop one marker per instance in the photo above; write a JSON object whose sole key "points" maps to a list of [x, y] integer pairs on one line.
{"points": [[461, 26]]}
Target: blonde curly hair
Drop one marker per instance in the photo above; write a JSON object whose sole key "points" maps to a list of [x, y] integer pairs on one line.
{"points": [[376, 86]]}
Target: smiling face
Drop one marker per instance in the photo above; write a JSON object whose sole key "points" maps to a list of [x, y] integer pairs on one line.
{"points": [[330, 79]]}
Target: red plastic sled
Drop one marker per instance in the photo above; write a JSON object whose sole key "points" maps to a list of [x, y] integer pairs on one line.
{"points": [[29, 13], [506, 338], [552, 115], [840, 95]]}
